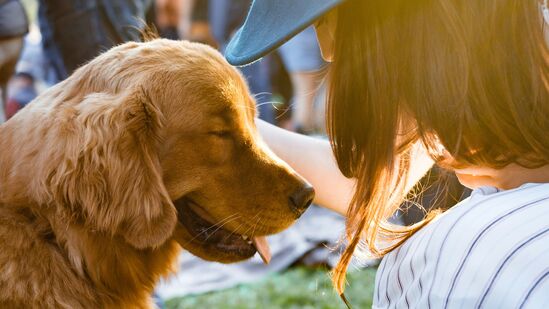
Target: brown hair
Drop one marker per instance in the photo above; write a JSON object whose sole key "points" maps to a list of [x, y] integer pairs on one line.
{"points": [[470, 75]]}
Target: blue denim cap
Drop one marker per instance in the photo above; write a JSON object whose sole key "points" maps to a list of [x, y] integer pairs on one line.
{"points": [[270, 23]]}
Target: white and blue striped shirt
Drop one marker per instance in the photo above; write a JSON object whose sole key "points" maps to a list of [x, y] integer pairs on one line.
{"points": [[489, 251]]}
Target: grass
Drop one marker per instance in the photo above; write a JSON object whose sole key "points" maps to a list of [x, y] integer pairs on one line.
{"points": [[300, 287]]}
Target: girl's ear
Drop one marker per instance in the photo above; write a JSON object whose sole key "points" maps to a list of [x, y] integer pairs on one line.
{"points": [[110, 174], [325, 29]]}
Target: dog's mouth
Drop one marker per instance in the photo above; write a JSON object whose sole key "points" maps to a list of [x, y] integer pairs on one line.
{"points": [[213, 236]]}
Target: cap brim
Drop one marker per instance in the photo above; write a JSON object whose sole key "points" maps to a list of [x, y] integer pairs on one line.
{"points": [[270, 23]]}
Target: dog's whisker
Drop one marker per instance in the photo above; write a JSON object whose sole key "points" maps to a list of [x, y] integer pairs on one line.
{"points": [[206, 231], [228, 218], [250, 227], [217, 229], [221, 223], [255, 95], [256, 224], [236, 231], [256, 218], [286, 110], [218, 226], [273, 103]]}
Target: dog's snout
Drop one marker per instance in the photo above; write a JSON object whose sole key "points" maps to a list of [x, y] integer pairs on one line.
{"points": [[302, 198]]}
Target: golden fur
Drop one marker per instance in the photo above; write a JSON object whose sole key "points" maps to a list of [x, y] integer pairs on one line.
{"points": [[93, 173]]}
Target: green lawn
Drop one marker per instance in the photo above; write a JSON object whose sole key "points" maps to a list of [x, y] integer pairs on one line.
{"points": [[299, 287]]}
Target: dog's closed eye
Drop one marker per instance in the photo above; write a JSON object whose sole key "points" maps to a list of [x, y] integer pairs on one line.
{"points": [[221, 133]]}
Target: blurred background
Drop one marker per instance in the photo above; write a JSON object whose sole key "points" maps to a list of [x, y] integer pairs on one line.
{"points": [[51, 38], [44, 41]]}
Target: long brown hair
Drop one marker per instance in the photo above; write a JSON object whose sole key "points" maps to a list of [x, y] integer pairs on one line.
{"points": [[469, 75]]}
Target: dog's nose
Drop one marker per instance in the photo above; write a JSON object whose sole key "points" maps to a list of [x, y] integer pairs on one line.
{"points": [[302, 198]]}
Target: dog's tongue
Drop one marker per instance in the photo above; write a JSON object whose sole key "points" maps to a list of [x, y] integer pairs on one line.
{"points": [[262, 246]]}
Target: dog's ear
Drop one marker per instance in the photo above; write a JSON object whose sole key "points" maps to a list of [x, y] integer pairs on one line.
{"points": [[110, 174]]}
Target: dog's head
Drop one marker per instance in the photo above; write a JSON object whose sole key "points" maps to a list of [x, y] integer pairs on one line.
{"points": [[157, 140]]}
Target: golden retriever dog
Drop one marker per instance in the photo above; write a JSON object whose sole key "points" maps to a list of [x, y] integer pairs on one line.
{"points": [[148, 148]]}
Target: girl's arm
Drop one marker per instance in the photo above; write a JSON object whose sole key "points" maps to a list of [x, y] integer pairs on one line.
{"points": [[313, 159]]}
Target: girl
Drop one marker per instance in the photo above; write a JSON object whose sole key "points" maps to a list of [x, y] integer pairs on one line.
{"points": [[462, 82]]}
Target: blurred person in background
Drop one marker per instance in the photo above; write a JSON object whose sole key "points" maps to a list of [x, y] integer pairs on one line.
{"points": [[185, 20], [22, 91], [34, 62], [302, 59], [34, 73], [199, 23], [168, 17], [75, 31], [198, 20], [225, 16], [13, 27]]}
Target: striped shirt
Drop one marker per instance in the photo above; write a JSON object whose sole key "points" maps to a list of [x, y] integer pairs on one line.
{"points": [[489, 251]]}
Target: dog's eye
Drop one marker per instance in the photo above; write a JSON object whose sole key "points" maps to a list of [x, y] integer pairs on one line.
{"points": [[222, 134]]}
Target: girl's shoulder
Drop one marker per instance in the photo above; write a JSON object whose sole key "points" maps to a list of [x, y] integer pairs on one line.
{"points": [[490, 249], [487, 206]]}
